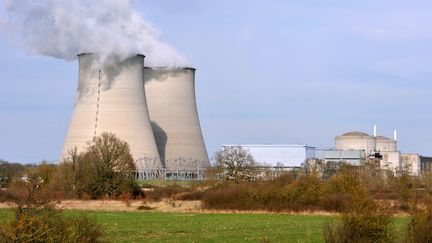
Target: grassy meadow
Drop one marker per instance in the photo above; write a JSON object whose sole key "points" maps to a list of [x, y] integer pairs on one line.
{"points": [[188, 227]]}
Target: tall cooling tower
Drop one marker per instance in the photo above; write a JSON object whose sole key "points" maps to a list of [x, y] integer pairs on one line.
{"points": [[111, 98], [173, 113]]}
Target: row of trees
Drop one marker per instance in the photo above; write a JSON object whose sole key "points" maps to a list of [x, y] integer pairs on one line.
{"points": [[105, 169], [10, 171]]}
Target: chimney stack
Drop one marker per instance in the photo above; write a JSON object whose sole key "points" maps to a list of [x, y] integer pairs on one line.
{"points": [[375, 131]]}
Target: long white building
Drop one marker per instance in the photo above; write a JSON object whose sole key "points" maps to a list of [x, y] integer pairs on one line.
{"points": [[278, 155]]}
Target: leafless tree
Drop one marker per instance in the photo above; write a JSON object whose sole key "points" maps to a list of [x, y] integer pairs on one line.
{"points": [[236, 163], [105, 168], [111, 165]]}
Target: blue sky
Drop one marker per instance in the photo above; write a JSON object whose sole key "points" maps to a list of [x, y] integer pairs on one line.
{"points": [[267, 72]]}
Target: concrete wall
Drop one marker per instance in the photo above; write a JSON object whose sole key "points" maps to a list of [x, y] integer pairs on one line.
{"points": [[384, 144], [173, 113], [411, 162], [353, 157], [391, 160], [111, 98]]}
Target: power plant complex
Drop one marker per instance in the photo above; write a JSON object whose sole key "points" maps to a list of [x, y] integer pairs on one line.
{"points": [[152, 109], [353, 148]]}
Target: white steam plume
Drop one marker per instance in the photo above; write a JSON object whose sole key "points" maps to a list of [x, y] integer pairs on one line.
{"points": [[64, 28]]}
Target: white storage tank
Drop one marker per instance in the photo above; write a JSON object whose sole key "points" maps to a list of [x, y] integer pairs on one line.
{"points": [[356, 141]]}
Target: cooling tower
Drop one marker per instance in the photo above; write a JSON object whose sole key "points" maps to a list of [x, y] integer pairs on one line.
{"points": [[173, 113], [111, 98]]}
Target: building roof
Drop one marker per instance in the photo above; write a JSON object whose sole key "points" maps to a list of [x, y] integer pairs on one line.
{"points": [[355, 134], [383, 138], [269, 145]]}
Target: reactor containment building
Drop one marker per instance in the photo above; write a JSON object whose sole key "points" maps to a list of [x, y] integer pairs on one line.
{"points": [[152, 109]]}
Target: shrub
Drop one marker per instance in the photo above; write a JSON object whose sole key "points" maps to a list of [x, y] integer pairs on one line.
{"points": [[104, 170], [191, 196], [84, 229], [49, 226], [303, 193], [364, 221], [335, 202], [144, 207], [420, 227], [36, 221], [5, 195], [164, 192]]}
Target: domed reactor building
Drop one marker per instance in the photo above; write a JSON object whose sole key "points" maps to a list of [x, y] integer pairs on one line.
{"points": [[153, 110], [355, 147], [379, 146]]}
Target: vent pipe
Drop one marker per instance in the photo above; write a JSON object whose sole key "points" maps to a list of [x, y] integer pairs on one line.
{"points": [[395, 135]]}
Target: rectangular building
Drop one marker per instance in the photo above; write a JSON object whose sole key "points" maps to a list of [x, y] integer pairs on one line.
{"points": [[411, 163], [425, 164], [352, 157], [283, 155]]}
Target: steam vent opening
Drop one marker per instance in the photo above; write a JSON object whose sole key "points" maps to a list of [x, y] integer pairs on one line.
{"points": [[153, 110]]}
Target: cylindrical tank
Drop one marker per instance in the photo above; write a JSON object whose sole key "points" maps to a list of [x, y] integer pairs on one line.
{"points": [[111, 98], [173, 113], [356, 141]]}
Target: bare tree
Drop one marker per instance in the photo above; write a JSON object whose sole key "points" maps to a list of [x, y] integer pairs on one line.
{"points": [[111, 165], [72, 174], [105, 168], [236, 163]]}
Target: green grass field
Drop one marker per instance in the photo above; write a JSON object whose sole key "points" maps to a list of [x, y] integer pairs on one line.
{"points": [[182, 227]]}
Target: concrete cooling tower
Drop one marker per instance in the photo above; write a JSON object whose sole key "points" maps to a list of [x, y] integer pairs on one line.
{"points": [[111, 98], [173, 112]]}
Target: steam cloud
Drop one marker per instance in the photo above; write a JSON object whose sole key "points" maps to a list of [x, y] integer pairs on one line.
{"points": [[64, 28]]}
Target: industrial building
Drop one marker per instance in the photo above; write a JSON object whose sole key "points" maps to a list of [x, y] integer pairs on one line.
{"points": [[425, 165], [355, 147], [280, 155], [352, 147], [162, 130], [353, 157]]}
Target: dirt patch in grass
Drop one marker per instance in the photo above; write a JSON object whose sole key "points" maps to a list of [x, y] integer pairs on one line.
{"points": [[174, 206], [130, 206]]}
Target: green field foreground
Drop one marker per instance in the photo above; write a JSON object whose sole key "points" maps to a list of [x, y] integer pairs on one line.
{"points": [[189, 227]]}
